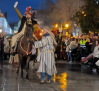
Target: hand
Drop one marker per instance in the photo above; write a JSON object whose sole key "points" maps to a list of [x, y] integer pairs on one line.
{"points": [[90, 43], [15, 5]]}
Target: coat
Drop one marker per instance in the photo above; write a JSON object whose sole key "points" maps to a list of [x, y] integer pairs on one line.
{"points": [[88, 48], [23, 20], [46, 56], [67, 45], [73, 45], [93, 44], [1, 45], [96, 52]]}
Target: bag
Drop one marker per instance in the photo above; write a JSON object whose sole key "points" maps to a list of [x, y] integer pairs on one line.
{"points": [[97, 63]]}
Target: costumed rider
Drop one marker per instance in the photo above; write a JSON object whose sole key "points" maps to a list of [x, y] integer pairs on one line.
{"points": [[47, 59], [37, 30], [27, 19]]}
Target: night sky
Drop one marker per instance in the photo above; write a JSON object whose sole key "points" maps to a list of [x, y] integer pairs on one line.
{"points": [[8, 6]]}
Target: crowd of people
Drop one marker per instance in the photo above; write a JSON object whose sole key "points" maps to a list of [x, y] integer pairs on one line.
{"points": [[74, 49]]}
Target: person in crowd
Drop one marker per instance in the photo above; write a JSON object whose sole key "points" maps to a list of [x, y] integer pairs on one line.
{"points": [[94, 42], [47, 59], [62, 49], [1, 49], [96, 53], [7, 47], [72, 46], [88, 47], [82, 43], [67, 47], [55, 29], [92, 37]]}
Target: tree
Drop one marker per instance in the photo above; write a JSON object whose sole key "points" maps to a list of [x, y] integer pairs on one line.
{"points": [[44, 12], [88, 16], [60, 12]]}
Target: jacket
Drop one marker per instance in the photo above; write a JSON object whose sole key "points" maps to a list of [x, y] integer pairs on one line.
{"points": [[93, 44], [2, 45], [88, 48], [73, 45], [96, 52], [82, 42], [23, 20]]}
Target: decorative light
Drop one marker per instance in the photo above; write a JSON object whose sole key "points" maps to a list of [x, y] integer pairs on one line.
{"points": [[84, 14], [40, 34], [0, 30], [56, 25]]}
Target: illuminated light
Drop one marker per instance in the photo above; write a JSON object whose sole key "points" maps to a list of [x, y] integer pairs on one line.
{"points": [[42, 30], [66, 33], [56, 25], [66, 25], [40, 34], [84, 14], [0, 30]]}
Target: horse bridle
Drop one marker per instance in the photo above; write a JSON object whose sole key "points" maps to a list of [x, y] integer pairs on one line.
{"points": [[27, 48]]}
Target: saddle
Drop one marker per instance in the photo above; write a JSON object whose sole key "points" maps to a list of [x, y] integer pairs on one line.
{"points": [[18, 40]]}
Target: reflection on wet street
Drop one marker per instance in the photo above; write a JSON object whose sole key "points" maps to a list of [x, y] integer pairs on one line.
{"points": [[62, 79], [70, 78]]}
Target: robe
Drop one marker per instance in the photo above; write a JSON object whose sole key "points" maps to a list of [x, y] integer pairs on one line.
{"points": [[46, 56]]}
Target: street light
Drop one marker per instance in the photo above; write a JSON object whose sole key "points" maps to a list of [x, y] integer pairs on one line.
{"points": [[56, 25], [66, 25]]}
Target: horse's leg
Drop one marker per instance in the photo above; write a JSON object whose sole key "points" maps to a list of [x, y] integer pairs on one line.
{"points": [[17, 72], [21, 70], [18, 68], [20, 60], [27, 66]]}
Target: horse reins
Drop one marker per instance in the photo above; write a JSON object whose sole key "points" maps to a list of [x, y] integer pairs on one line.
{"points": [[27, 48]]}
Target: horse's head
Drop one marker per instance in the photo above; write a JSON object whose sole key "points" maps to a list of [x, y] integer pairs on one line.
{"points": [[29, 33]]}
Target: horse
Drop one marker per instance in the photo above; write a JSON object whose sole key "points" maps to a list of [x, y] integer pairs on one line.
{"points": [[24, 50]]}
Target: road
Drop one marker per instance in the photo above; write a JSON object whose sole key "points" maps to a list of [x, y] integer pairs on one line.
{"points": [[68, 78]]}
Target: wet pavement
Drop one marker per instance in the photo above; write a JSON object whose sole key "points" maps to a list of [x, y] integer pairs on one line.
{"points": [[68, 78]]}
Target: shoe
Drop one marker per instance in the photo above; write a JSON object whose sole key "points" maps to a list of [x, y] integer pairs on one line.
{"points": [[48, 81], [42, 82]]}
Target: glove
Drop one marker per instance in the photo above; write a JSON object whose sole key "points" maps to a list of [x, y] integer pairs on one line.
{"points": [[15, 5]]}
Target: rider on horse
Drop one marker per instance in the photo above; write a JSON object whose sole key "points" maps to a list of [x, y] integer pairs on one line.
{"points": [[27, 19], [37, 30]]}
